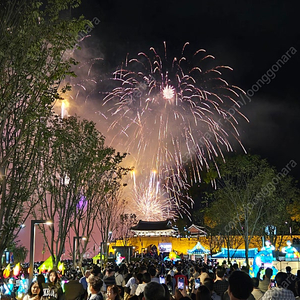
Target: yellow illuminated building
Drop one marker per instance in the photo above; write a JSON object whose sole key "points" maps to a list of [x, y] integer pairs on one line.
{"points": [[182, 245]]}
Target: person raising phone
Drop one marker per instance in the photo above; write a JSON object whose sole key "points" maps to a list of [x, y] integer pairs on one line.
{"points": [[180, 275]]}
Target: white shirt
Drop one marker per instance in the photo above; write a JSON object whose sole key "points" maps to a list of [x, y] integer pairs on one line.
{"points": [[93, 296], [140, 289], [131, 283], [119, 279]]}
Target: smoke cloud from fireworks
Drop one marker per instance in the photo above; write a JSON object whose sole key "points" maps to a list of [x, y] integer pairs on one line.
{"points": [[160, 110], [172, 115]]}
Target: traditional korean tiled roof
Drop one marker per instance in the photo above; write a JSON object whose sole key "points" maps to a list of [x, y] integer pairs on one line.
{"points": [[196, 230], [236, 253], [152, 225], [198, 249]]}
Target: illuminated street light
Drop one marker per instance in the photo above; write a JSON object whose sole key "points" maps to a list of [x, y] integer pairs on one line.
{"points": [[290, 228], [75, 244], [32, 242]]}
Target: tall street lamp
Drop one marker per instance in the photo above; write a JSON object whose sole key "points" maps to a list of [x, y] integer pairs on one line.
{"points": [[32, 242], [108, 243], [75, 244], [290, 228]]}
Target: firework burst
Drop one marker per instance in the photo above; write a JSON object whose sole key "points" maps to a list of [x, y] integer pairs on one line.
{"points": [[170, 114], [151, 201]]}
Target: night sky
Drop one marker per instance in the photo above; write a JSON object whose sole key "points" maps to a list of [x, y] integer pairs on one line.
{"points": [[249, 36]]}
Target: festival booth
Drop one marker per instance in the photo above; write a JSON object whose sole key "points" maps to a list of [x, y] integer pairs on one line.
{"points": [[197, 252], [47, 265], [122, 253], [116, 254], [97, 258]]}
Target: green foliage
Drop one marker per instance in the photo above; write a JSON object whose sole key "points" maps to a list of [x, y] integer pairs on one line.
{"points": [[247, 199], [33, 41], [181, 224], [20, 252], [75, 164]]}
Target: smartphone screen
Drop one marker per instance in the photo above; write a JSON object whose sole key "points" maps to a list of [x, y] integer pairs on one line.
{"points": [[180, 283], [197, 283], [162, 279], [273, 284]]}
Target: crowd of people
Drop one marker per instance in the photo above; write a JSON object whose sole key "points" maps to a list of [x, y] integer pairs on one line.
{"points": [[154, 280]]}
